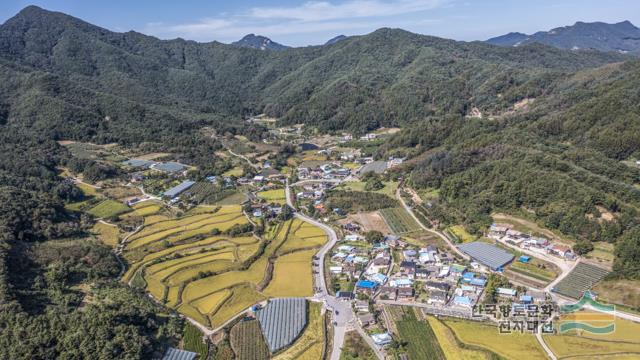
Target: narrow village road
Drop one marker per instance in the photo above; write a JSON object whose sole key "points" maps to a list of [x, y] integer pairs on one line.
{"points": [[344, 317], [243, 157], [424, 227]]}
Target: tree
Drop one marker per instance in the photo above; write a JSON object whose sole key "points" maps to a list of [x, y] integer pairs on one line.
{"points": [[374, 236], [582, 247], [373, 184], [627, 263], [287, 213]]}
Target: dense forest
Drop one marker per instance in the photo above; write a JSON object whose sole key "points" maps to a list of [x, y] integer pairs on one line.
{"points": [[545, 133]]}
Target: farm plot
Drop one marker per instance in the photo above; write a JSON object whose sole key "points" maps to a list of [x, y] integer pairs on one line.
{"points": [[420, 338], [193, 340], [213, 279], [303, 236], [450, 346], [247, 341], [108, 234], [310, 345], [109, 208], [273, 196], [355, 348], [399, 220], [624, 340], [582, 278], [147, 208], [207, 193], [514, 346], [536, 269], [292, 275]]}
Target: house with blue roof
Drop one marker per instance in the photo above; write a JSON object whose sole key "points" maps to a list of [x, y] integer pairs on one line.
{"points": [[468, 275], [526, 299], [463, 301], [378, 278], [478, 282], [366, 286], [402, 283]]}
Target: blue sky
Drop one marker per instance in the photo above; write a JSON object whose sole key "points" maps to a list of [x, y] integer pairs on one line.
{"points": [[304, 22]]}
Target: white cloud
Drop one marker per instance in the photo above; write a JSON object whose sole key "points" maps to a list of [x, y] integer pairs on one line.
{"points": [[324, 10], [310, 17]]}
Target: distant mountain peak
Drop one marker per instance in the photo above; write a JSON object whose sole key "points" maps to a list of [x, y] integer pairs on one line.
{"points": [[335, 39], [623, 37], [259, 42]]}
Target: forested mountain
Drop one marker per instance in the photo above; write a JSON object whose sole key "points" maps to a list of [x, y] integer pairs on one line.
{"points": [[533, 130], [259, 42], [335, 39], [622, 37], [388, 77]]}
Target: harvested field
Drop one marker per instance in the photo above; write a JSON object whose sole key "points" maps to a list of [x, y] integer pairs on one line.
{"points": [[108, 234], [620, 292], [369, 221], [355, 348]]}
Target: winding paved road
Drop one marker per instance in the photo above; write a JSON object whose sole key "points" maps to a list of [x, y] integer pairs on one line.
{"points": [[344, 317]]}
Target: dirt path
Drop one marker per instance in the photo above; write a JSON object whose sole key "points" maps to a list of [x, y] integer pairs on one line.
{"points": [[441, 235]]}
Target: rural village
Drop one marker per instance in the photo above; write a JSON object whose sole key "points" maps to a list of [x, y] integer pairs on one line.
{"points": [[342, 270]]}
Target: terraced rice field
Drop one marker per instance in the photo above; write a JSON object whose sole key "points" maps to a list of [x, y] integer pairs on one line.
{"points": [[310, 345], [514, 346], [582, 278], [212, 278], [146, 208], [292, 275], [399, 221]]}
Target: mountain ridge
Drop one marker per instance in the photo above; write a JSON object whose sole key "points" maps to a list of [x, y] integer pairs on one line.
{"points": [[259, 42], [623, 37]]}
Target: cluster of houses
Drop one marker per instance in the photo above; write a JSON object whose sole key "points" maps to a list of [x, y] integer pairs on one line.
{"points": [[506, 234], [328, 171], [264, 177]]}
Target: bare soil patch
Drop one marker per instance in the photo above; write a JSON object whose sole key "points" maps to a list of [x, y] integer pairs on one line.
{"points": [[369, 221]]}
